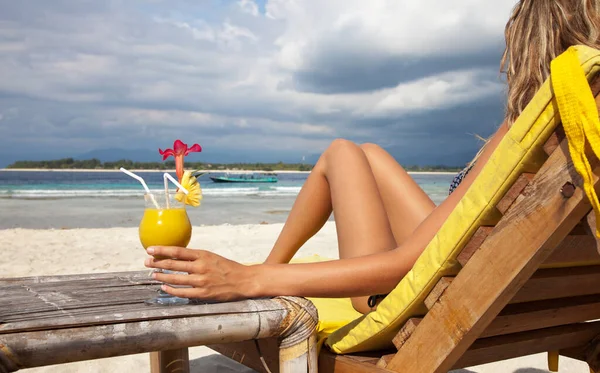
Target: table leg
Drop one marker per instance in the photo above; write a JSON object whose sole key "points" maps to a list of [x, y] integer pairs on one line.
{"points": [[170, 361], [301, 357]]}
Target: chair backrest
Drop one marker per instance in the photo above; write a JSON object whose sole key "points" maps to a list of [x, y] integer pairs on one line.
{"points": [[509, 293], [519, 169]]}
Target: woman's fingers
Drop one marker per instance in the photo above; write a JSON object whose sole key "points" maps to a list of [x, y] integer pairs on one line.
{"points": [[174, 279], [182, 292], [180, 253], [171, 264]]}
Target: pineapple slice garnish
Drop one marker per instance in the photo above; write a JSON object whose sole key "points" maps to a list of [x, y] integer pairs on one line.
{"points": [[191, 184]]}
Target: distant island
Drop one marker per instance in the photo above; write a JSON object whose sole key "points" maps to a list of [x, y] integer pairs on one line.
{"points": [[96, 164]]}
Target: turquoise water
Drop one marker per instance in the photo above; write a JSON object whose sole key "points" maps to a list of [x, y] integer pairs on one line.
{"points": [[56, 184], [112, 199]]}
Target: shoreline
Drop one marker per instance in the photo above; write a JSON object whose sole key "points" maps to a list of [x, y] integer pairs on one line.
{"points": [[136, 170], [206, 171]]}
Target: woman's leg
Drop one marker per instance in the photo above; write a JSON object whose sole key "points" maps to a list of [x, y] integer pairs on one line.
{"points": [[309, 213], [343, 181], [346, 163], [406, 204]]}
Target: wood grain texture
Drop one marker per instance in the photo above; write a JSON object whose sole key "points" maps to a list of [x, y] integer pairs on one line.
{"points": [[250, 353], [513, 345], [554, 283], [330, 363], [575, 250], [170, 361], [554, 140], [522, 317], [404, 334], [437, 291], [474, 244], [515, 191], [521, 241], [104, 315]]}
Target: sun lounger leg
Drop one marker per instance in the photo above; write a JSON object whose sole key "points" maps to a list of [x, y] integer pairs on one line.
{"points": [[553, 357], [170, 361], [300, 357]]}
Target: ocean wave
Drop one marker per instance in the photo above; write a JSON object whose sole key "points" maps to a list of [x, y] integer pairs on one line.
{"points": [[105, 193]]}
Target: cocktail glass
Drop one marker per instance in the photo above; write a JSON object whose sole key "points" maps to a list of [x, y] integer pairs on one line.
{"points": [[165, 223]]}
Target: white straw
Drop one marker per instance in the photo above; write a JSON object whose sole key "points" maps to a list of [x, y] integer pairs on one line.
{"points": [[176, 183], [166, 180], [138, 178]]}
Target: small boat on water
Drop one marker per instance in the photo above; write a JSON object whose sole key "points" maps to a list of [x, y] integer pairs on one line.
{"points": [[246, 178]]}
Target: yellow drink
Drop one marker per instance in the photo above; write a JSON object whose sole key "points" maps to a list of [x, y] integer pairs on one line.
{"points": [[165, 227]]}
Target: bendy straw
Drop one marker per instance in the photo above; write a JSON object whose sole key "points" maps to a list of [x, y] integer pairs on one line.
{"points": [[166, 175], [139, 178]]}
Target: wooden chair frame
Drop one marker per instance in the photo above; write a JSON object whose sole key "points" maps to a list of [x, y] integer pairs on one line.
{"points": [[501, 304]]}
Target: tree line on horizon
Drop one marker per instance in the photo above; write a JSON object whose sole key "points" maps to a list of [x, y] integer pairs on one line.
{"points": [[96, 164]]}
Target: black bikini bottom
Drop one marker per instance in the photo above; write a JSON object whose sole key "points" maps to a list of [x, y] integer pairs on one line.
{"points": [[372, 302]]}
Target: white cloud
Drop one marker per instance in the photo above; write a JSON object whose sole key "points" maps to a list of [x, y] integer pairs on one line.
{"points": [[248, 6], [176, 66], [436, 92], [397, 27]]}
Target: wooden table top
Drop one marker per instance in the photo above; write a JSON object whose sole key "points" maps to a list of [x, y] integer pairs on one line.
{"points": [[55, 319]]}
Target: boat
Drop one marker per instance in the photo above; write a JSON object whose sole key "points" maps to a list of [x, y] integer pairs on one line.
{"points": [[266, 177]]}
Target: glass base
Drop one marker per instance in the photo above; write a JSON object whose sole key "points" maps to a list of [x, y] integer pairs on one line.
{"points": [[166, 299]]}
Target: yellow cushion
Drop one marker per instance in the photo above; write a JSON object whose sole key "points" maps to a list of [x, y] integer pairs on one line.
{"points": [[519, 151]]}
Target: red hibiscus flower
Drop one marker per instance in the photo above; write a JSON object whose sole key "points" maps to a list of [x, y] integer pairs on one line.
{"points": [[179, 151]]}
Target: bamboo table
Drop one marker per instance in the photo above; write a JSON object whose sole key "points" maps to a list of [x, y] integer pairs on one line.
{"points": [[59, 319]]}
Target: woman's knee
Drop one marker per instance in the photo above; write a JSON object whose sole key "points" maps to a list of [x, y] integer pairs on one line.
{"points": [[336, 147], [371, 149], [340, 145], [378, 157], [340, 149]]}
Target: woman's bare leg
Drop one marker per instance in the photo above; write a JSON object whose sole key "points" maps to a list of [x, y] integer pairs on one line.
{"points": [[314, 205], [406, 204], [309, 213], [343, 180]]}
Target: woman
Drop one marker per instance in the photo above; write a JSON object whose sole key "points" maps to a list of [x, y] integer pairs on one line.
{"points": [[384, 219]]}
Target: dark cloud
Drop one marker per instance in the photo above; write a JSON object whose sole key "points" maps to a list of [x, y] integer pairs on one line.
{"points": [[82, 75], [344, 71]]}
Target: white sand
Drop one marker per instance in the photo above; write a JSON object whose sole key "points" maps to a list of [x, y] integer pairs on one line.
{"points": [[52, 252]]}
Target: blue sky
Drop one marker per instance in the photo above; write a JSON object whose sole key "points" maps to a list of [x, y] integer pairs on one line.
{"points": [[250, 80]]}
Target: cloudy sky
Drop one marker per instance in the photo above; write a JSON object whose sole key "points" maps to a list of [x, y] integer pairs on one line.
{"points": [[253, 80]]}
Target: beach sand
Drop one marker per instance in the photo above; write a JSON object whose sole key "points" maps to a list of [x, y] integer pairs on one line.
{"points": [[70, 251]]}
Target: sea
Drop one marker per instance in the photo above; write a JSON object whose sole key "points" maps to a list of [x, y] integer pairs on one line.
{"points": [[66, 200]]}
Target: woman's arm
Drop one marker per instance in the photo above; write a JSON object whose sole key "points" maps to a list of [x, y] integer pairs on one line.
{"points": [[222, 279]]}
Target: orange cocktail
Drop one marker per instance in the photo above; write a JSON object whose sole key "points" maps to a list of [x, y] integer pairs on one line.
{"points": [[165, 223], [165, 227]]}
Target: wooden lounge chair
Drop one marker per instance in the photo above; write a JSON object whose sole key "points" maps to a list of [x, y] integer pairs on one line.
{"points": [[529, 282]]}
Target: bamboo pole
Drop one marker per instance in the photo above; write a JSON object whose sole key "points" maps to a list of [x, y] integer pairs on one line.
{"points": [[291, 320], [300, 358], [48, 347], [298, 341]]}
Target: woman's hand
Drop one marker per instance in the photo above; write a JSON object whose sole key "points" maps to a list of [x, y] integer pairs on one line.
{"points": [[211, 276]]}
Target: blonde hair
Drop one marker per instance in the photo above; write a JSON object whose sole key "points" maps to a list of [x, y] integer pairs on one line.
{"points": [[537, 32]]}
